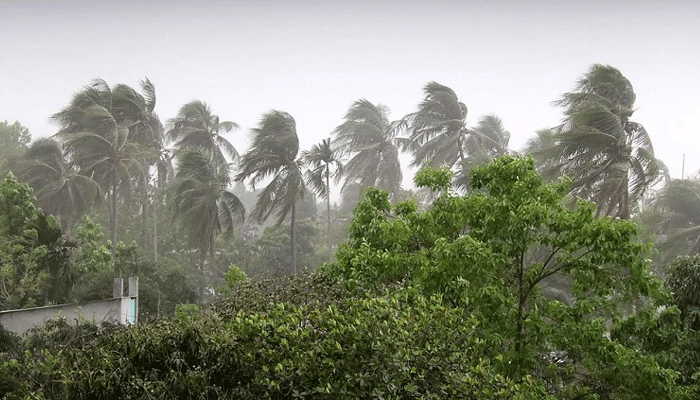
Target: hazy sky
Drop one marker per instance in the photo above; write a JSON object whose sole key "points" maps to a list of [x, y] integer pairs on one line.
{"points": [[314, 58]]}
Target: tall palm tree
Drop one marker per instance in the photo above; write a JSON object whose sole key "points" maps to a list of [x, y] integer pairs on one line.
{"points": [[438, 130], [321, 159], [60, 190], [201, 199], [149, 133], [273, 155], [195, 125], [609, 157], [542, 149], [95, 133], [372, 142], [674, 216], [485, 142]]}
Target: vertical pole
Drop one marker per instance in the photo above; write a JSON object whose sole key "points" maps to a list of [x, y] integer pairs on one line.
{"points": [[683, 168], [118, 288], [134, 299]]}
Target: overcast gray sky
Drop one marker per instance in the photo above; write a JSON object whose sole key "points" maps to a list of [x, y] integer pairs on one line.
{"points": [[314, 58]]}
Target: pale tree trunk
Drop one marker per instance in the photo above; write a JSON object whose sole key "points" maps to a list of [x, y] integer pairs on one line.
{"points": [[328, 214], [113, 214], [293, 237]]}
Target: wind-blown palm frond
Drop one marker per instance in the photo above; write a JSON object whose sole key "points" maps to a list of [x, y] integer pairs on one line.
{"points": [[273, 155], [196, 126], [609, 158], [372, 142], [438, 130]]}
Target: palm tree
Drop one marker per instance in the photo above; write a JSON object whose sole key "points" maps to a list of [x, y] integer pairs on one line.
{"points": [[322, 159], [609, 157], [149, 133], [195, 125], [60, 190], [542, 147], [438, 130], [273, 155], [95, 133], [201, 199], [485, 142], [674, 216], [373, 144]]}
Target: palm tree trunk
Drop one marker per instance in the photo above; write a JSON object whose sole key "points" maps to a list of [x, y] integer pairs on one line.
{"points": [[113, 214], [328, 213], [155, 233], [293, 237]]}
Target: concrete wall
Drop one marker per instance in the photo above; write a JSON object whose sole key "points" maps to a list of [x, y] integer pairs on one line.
{"points": [[120, 309]]}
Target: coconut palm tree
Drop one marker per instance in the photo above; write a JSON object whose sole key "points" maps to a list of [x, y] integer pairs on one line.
{"points": [[674, 217], [609, 157], [542, 147], [195, 125], [59, 189], [321, 159], [372, 142], [201, 200], [485, 142], [94, 129], [438, 130], [273, 156]]}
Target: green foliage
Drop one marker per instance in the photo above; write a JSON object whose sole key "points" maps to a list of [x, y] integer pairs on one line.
{"points": [[394, 347], [234, 276], [270, 250], [496, 253], [14, 139], [672, 335], [35, 267]]}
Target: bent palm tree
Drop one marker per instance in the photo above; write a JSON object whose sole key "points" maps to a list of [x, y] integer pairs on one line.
{"points": [[196, 126], [485, 142], [95, 133], [438, 130], [201, 200], [60, 190], [609, 157], [273, 154], [372, 143], [321, 158], [674, 216]]}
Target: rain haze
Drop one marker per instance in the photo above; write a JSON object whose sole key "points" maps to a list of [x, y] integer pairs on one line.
{"points": [[313, 59]]}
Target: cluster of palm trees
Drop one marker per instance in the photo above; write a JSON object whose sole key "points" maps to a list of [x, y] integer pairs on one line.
{"points": [[111, 145]]}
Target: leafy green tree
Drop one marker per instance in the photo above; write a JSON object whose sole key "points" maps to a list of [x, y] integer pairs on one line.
{"points": [[35, 256], [270, 257], [372, 142], [671, 334], [321, 159], [609, 157], [60, 190], [492, 251], [273, 155], [201, 199], [14, 139], [94, 129], [196, 126]]}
